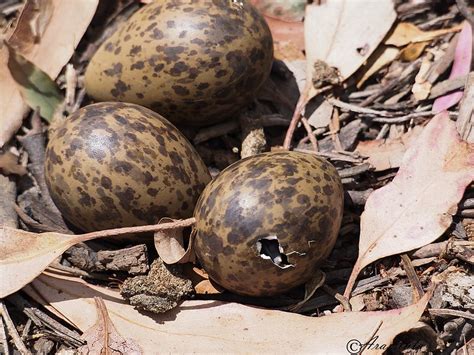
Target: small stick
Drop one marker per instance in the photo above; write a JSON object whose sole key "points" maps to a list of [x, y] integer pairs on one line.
{"points": [[344, 301], [444, 312], [311, 137], [3, 337], [412, 277], [183, 223], [12, 330]]}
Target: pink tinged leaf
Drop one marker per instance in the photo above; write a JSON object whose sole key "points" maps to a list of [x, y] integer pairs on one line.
{"points": [[461, 66], [417, 206]]}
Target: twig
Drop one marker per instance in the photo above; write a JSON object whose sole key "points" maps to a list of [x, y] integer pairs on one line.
{"points": [[342, 300], [302, 101], [3, 337], [12, 330], [465, 121], [444, 312], [309, 131], [41, 319], [333, 156], [230, 126], [137, 229], [409, 117], [355, 170], [358, 109], [446, 86], [412, 277]]}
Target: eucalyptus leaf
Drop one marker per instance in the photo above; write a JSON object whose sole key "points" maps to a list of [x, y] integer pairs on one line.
{"points": [[37, 89]]}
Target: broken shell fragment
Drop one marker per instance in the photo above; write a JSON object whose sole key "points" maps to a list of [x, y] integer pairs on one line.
{"points": [[266, 222]]}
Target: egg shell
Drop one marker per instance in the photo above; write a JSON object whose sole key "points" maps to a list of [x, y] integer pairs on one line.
{"points": [[194, 61], [117, 164], [295, 197]]}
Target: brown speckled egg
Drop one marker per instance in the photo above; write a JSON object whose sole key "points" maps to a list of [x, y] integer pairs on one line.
{"points": [[267, 221], [193, 61], [117, 164]]}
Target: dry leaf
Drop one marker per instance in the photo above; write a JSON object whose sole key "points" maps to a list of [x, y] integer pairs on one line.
{"points": [[461, 66], [417, 206], [206, 287], [170, 245], [25, 255], [321, 117], [217, 327], [344, 41], [47, 33], [9, 164], [406, 33], [38, 90], [386, 154], [103, 338], [382, 56], [412, 51]]}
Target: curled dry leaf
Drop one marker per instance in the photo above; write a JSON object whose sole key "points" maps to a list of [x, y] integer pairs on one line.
{"points": [[170, 245], [212, 326], [9, 164], [461, 66], [25, 255], [417, 206], [386, 154], [406, 33], [46, 34], [103, 338]]}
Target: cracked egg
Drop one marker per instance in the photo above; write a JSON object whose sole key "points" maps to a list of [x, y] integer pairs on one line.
{"points": [[266, 222]]}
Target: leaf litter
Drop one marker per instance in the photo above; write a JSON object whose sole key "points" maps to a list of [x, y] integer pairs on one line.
{"points": [[367, 86]]}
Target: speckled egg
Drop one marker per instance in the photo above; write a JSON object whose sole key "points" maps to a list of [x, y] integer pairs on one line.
{"points": [[117, 164], [267, 221], [194, 61]]}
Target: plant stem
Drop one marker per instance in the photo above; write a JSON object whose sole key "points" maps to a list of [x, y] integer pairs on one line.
{"points": [[182, 223]]}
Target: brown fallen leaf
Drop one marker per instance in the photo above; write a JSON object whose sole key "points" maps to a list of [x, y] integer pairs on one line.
{"points": [[103, 338], [9, 164], [417, 206], [386, 154], [46, 34], [25, 255], [406, 33], [218, 327]]}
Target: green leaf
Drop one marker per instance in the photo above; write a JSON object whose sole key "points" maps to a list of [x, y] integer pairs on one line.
{"points": [[38, 89]]}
